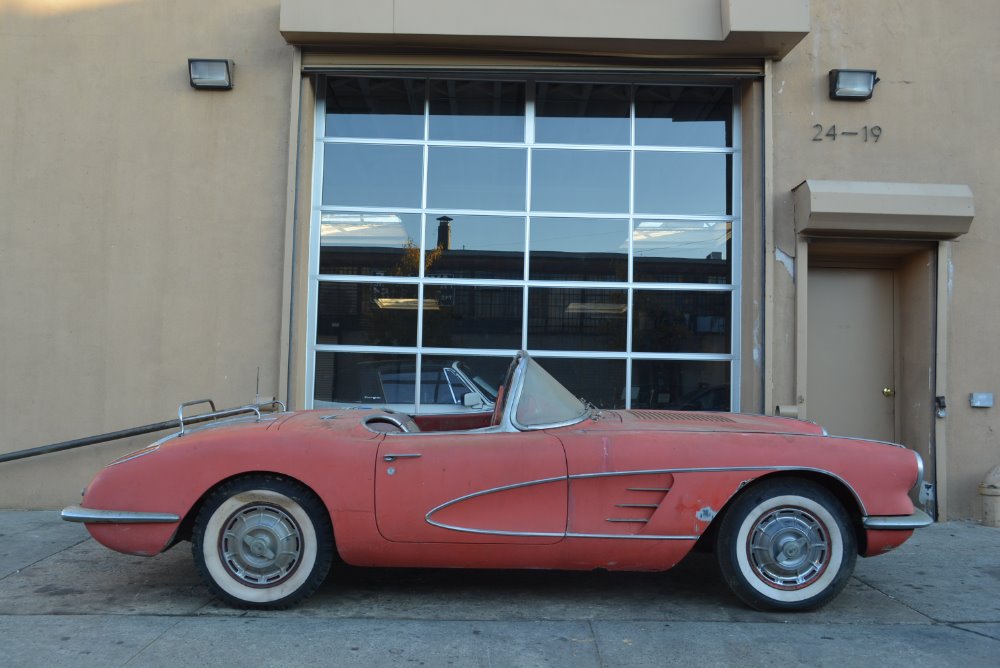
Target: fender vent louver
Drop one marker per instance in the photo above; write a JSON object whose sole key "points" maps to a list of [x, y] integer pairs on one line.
{"points": [[668, 416]]}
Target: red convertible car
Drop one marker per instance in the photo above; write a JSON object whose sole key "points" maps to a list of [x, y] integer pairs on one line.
{"points": [[269, 500]]}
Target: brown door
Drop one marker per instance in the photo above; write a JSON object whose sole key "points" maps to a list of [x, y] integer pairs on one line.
{"points": [[851, 352]]}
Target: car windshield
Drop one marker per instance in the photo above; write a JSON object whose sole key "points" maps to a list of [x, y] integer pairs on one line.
{"points": [[543, 401]]}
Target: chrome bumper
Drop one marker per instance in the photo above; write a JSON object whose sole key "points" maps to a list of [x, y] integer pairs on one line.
{"points": [[899, 522], [94, 516]]}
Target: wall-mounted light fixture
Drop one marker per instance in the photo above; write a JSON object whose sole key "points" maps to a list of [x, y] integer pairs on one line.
{"points": [[211, 73], [852, 84]]}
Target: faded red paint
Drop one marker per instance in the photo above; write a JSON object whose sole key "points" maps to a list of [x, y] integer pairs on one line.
{"points": [[560, 486]]}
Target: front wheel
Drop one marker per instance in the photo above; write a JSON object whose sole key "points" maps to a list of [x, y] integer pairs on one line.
{"points": [[263, 542], [786, 545]]}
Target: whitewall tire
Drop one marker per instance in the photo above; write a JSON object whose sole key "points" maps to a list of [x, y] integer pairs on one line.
{"points": [[262, 542], [786, 545]]}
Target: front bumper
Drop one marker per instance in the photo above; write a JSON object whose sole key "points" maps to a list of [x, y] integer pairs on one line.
{"points": [[94, 516], [898, 522]]}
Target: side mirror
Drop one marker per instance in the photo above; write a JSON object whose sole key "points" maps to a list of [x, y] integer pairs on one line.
{"points": [[472, 400]]}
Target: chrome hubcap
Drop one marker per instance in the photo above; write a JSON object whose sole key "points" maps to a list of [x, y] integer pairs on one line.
{"points": [[261, 545], [789, 548]]}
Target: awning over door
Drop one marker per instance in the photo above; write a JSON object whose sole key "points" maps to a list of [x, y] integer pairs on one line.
{"points": [[884, 210]]}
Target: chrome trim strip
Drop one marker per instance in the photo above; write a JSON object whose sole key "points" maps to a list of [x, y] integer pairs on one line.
{"points": [[584, 476], [94, 516], [917, 520], [631, 536]]}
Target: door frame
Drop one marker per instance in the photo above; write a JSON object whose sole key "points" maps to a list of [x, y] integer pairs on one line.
{"points": [[876, 254]]}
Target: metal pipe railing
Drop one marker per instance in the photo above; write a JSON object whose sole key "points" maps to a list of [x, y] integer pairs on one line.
{"points": [[134, 431]]}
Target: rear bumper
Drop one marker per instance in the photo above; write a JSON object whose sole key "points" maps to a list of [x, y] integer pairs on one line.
{"points": [[898, 522], [94, 516]]}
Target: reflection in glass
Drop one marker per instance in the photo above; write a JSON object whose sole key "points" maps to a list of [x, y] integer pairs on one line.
{"points": [[579, 249], [682, 183], [477, 110], [579, 181], [372, 175], [369, 244], [375, 108], [576, 319], [485, 372], [683, 116], [472, 316], [581, 113], [371, 314], [475, 246], [682, 251], [681, 322], [371, 379], [601, 382], [476, 178], [676, 385]]}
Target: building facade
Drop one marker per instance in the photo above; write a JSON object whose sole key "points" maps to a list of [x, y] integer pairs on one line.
{"points": [[661, 200]]}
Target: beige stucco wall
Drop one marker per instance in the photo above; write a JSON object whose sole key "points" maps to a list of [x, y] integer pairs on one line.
{"points": [[141, 222], [936, 104]]}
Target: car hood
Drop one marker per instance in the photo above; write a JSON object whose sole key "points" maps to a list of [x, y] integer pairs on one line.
{"points": [[708, 421]]}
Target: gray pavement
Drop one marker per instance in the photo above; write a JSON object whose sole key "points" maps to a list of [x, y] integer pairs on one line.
{"points": [[66, 601]]}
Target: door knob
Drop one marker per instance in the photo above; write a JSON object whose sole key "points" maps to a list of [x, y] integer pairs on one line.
{"points": [[888, 392]]}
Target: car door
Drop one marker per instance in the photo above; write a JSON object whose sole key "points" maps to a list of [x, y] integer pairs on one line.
{"points": [[497, 487]]}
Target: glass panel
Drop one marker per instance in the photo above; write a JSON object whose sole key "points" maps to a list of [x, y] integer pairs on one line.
{"points": [[681, 322], [483, 373], [366, 379], [582, 113], [369, 244], [579, 181], [472, 317], [542, 400], [475, 246], [371, 314], [477, 110], [681, 251], [579, 249], [683, 116], [699, 386], [576, 319], [372, 175], [377, 108], [682, 183], [601, 382], [476, 178]]}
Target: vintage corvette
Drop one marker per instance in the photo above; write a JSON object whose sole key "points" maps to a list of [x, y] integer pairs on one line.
{"points": [[269, 500]]}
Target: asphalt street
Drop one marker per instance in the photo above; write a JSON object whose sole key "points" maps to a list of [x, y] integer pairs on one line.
{"points": [[67, 601]]}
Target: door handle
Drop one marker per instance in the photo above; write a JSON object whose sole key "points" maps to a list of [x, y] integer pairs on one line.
{"points": [[888, 392], [394, 457]]}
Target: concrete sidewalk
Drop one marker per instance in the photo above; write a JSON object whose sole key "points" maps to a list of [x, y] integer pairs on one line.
{"points": [[66, 601]]}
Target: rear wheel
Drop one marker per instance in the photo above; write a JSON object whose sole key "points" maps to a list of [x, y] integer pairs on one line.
{"points": [[263, 542], [786, 545]]}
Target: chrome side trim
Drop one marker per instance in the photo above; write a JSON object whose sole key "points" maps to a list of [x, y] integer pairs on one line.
{"points": [[917, 520], [94, 516], [631, 536], [585, 476]]}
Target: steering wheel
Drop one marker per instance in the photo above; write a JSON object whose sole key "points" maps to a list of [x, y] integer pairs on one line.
{"points": [[388, 419]]}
